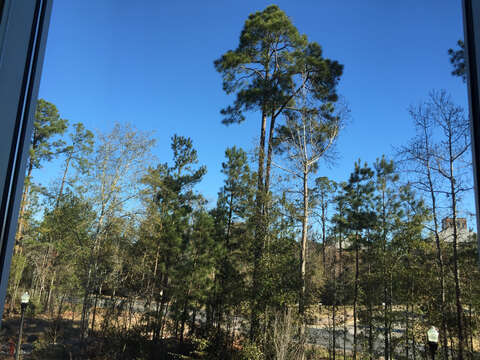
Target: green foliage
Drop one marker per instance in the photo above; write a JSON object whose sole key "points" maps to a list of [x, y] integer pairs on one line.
{"points": [[251, 351], [262, 71], [47, 126], [358, 195], [76, 153], [45, 350], [170, 275], [457, 59], [232, 232], [271, 65], [177, 235]]}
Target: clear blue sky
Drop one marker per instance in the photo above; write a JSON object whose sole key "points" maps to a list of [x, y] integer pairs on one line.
{"points": [[150, 63]]}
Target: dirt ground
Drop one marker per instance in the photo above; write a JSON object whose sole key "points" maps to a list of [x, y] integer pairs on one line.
{"points": [[40, 329], [37, 329]]}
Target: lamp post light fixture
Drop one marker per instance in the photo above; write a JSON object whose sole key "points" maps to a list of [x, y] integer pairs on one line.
{"points": [[24, 300]]}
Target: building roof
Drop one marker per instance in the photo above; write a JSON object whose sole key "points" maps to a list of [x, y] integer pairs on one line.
{"points": [[464, 235]]}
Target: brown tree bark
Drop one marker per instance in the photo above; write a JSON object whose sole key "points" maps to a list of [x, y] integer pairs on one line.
{"points": [[303, 251], [355, 297], [458, 302], [260, 229]]}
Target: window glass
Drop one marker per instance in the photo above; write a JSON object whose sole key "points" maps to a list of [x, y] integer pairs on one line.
{"points": [[239, 180], [1, 8]]}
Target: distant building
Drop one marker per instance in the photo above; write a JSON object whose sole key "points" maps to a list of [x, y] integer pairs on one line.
{"points": [[464, 235]]}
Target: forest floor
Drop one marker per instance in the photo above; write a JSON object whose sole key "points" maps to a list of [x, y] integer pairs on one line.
{"points": [[320, 331], [40, 331], [35, 330]]}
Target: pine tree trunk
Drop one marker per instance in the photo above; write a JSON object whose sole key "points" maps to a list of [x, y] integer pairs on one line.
{"points": [[92, 272], [324, 235], [85, 307], [152, 294], [355, 299], [334, 340], [471, 327], [64, 177], [370, 318], [184, 318], [414, 343], [344, 331], [269, 153], [303, 252], [58, 318], [407, 330], [50, 289], [343, 299], [156, 324], [260, 229], [176, 328], [220, 302], [385, 311], [162, 325], [95, 309], [73, 312], [390, 311], [457, 281], [192, 323], [452, 347], [303, 257], [443, 332], [455, 255], [163, 303], [131, 309], [385, 290], [330, 334], [17, 280]]}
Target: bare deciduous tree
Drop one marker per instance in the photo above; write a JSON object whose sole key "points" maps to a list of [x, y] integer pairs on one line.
{"points": [[118, 164], [450, 163], [308, 135], [286, 341], [436, 159]]}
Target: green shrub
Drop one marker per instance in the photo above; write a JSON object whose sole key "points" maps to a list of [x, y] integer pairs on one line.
{"points": [[251, 351]]}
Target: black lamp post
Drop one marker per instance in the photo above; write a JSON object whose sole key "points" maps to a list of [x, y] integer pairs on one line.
{"points": [[24, 303], [432, 338]]}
